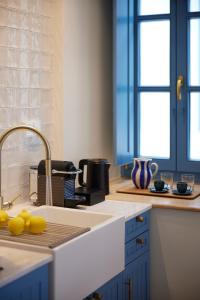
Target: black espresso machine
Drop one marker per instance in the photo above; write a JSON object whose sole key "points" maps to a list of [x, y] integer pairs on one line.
{"points": [[95, 172], [96, 184]]}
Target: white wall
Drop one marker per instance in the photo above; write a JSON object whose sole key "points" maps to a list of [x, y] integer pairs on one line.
{"points": [[174, 259], [88, 80], [75, 113]]}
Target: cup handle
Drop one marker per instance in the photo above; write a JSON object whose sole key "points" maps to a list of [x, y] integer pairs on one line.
{"points": [[156, 168]]}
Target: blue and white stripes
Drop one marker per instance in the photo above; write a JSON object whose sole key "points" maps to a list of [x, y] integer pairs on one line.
{"points": [[141, 174]]}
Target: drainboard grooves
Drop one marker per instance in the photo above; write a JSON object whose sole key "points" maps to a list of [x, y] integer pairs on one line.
{"points": [[54, 235]]}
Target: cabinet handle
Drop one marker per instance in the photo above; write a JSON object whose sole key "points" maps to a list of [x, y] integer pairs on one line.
{"points": [[139, 219], [96, 296], [140, 241], [129, 283]]}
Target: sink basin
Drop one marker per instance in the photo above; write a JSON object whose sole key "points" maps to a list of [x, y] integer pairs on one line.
{"points": [[86, 262], [71, 217]]}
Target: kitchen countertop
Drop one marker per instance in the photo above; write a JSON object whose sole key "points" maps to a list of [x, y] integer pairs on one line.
{"points": [[18, 261], [156, 202], [117, 208]]}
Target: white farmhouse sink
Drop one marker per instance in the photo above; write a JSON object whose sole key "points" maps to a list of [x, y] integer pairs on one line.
{"points": [[71, 217], [86, 262]]}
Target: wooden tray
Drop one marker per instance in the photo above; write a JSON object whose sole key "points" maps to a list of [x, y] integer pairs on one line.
{"points": [[146, 192], [53, 236]]}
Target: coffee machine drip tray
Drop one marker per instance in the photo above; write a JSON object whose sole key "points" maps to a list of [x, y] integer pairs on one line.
{"points": [[92, 196]]}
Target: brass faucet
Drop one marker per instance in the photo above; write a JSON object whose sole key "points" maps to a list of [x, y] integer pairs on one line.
{"points": [[4, 136]]}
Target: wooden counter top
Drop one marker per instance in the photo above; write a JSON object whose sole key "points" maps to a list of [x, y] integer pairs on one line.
{"points": [[158, 202]]}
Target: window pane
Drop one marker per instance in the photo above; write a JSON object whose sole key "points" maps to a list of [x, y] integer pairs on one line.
{"points": [[155, 124], [154, 53], [194, 5], [194, 126], [194, 78], [152, 7]]}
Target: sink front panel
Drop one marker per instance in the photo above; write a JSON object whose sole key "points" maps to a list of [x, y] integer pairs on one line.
{"points": [[86, 262]]}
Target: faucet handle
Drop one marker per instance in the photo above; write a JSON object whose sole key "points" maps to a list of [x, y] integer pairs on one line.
{"points": [[9, 204]]}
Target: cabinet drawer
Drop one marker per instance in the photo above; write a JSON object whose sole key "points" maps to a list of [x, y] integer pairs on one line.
{"points": [[136, 226], [136, 247]]}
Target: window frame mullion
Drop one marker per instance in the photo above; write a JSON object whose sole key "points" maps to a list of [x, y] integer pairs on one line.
{"points": [[183, 108], [164, 164]]}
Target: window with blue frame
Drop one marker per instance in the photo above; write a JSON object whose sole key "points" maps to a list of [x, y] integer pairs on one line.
{"points": [[157, 82]]}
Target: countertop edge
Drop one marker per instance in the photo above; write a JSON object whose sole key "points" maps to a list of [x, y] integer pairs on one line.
{"points": [[156, 202], [141, 211], [21, 270]]}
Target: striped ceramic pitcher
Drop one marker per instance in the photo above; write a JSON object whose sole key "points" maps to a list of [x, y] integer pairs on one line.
{"points": [[141, 174]]}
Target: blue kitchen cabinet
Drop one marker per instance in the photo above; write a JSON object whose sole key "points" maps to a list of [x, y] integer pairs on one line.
{"points": [[112, 290], [33, 286], [133, 282], [136, 279]]}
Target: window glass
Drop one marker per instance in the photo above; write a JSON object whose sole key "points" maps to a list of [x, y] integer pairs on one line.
{"points": [[154, 53], [194, 5], [194, 74], [152, 7], [155, 124], [194, 126]]}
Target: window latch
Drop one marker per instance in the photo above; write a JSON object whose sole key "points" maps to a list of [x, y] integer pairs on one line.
{"points": [[179, 84]]}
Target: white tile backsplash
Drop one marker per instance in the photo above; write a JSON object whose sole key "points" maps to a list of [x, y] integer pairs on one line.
{"points": [[26, 50]]}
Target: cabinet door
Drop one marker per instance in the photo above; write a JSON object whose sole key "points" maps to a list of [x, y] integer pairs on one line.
{"points": [[136, 279], [112, 290], [33, 286]]}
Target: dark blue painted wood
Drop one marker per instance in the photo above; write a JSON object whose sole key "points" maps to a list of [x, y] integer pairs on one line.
{"points": [[171, 163], [123, 81], [126, 89], [183, 107], [33, 286], [134, 227], [164, 164], [136, 274], [152, 17], [135, 248], [112, 290]]}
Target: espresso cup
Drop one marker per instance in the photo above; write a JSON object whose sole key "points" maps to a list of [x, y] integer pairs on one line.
{"points": [[182, 187], [159, 185]]}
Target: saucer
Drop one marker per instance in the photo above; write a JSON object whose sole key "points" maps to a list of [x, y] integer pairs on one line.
{"points": [[187, 193], [165, 190]]}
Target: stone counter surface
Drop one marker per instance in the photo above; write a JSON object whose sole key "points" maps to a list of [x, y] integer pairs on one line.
{"points": [[157, 202], [119, 208], [18, 261]]}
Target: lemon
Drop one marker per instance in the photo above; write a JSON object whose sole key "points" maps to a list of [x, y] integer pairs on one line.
{"points": [[16, 225], [3, 217], [25, 215], [37, 224]]}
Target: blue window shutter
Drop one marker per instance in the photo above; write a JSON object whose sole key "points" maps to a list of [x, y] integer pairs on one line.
{"points": [[123, 81]]}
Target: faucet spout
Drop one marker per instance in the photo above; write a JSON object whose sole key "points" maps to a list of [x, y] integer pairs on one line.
{"points": [[4, 136]]}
